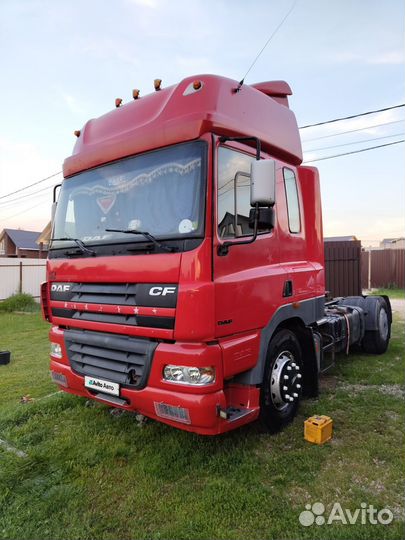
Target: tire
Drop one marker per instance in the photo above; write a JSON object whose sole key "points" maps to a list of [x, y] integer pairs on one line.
{"points": [[280, 396], [376, 341]]}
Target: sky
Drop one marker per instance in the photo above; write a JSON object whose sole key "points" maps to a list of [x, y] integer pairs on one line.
{"points": [[64, 62]]}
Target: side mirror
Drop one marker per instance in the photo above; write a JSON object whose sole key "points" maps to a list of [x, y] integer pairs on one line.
{"points": [[262, 182], [264, 216]]}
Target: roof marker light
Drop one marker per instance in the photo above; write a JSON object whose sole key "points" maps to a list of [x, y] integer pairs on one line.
{"points": [[118, 102], [77, 132], [193, 87], [157, 83], [135, 93]]}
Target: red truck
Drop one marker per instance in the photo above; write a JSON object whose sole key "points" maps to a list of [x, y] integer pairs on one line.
{"points": [[185, 277]]}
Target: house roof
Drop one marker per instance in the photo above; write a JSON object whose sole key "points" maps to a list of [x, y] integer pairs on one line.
{"points": [[22, 239], [392, 240], [45, 235], [340, 238]]}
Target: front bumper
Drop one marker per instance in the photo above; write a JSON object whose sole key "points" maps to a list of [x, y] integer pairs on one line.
{"points": [[202, 404]]}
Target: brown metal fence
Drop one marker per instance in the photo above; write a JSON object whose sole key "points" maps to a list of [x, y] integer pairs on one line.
{"points": [[365, 278], [343, 267], [383, 268]]}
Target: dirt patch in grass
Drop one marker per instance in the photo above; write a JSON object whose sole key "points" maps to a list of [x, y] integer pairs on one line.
{"points": [[398, 307], [395, 390], [298, 495], [328, 383]]}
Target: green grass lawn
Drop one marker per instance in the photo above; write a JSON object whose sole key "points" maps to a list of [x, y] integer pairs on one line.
{"points": [[92, 475], [392, 293]]}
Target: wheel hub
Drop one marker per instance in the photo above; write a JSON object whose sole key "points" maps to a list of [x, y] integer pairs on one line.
{"points": [[286, 380], [383, 324]]}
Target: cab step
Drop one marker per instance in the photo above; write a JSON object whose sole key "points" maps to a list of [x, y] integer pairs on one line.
{"points": [[234, 413]]}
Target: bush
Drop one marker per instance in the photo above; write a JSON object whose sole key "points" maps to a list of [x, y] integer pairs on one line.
{"points": [[19, 302]]}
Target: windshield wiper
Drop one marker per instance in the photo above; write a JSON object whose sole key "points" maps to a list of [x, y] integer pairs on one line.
{"points": [[80, 243], [148, 236]]}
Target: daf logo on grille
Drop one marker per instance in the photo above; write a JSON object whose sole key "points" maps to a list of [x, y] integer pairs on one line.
{"points": [[60, 287], [161, 291]]}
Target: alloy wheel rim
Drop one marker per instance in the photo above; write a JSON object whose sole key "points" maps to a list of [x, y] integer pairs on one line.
{"points": [[285, 381], [383, 324]]}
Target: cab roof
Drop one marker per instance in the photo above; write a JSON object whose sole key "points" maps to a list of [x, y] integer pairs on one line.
{"points": [[181, 113]]}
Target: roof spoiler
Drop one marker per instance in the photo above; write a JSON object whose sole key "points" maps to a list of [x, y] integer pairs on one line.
{"points": [[278, 90]]}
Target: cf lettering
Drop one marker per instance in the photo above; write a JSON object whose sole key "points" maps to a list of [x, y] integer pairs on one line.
{"points": [[155, 291], [161, 291], [168, 290]]}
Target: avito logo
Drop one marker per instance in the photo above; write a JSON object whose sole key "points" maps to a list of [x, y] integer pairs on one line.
{"points": [[367, 513]]}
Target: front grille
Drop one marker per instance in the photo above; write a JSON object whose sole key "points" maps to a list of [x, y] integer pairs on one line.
{"points": [[102, 293], [86, 301], [120, 359], [123, 294], [113, 318]]}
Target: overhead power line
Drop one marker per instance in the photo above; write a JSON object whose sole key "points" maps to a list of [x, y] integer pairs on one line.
{"points": [[33, 194], [352, 116], [354, 151], [302, 127], [313, 160], [30, 185], [354, 142], [353, 130], [23, 211]]}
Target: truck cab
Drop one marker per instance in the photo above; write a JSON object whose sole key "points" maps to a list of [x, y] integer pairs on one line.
{"points": [[174, 287]]}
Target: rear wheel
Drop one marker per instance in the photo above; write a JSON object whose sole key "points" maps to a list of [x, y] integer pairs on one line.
{"points": [[376, 341], [282, 384]]}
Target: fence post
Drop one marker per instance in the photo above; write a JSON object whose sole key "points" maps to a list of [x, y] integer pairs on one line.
{"points": [[369, 269], [20, 284]]}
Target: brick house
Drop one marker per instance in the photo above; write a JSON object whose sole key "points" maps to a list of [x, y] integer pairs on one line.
{"points": [[19, 243]]}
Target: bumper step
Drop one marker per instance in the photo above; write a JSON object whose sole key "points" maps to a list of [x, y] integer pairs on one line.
{"points": [[111, 399], [234, 413]]}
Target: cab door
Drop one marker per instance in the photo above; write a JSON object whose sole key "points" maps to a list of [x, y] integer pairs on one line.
{"points": [[248, 279], [295, 256]]}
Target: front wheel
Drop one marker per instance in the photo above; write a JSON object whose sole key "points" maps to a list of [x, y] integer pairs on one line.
{"points": [[282, 384]]}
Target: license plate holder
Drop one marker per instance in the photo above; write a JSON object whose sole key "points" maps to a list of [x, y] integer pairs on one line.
{"points": [[100, 385]]}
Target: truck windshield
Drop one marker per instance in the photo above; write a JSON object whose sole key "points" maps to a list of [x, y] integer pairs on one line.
{"points": [[161, 192]]}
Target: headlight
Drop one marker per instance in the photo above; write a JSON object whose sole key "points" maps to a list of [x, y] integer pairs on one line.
{"points": [[199, 376], [56, 350]]}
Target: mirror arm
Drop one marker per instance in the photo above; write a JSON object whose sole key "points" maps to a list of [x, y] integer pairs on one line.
{"points": [[235, 197], [53, 210], [224, 248], [54, 192]]}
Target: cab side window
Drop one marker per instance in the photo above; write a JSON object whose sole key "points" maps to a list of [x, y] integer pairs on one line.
{"points": [[234, 193], [293, 205]]}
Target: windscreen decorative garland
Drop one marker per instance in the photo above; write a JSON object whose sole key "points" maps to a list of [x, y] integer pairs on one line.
{"points": [[160, 192]]}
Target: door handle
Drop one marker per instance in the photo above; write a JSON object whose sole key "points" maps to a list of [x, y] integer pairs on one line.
{"points": [[288, 288]]}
